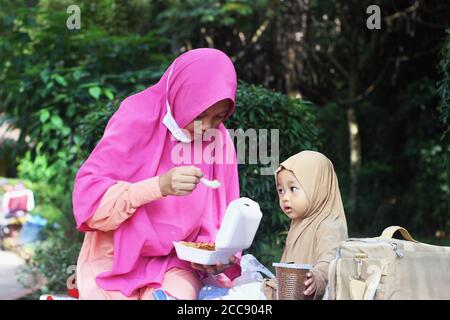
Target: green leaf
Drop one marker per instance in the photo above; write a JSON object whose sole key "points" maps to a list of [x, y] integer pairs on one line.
{"points": [[77, 140], [44, 75], [57, 121], [71, 110], [60, 80], [44, 115], [89, 84], [65, 131], [77, 74], [109, 94], [53, 144], [95, 92]]}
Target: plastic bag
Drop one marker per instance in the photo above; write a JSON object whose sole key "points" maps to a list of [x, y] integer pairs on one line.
{"points": [[245, 287], [247, 291], [251, 271]]}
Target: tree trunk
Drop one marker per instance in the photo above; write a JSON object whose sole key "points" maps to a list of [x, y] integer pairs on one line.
{"points": [[290, 40], [353, 126], [355, 155]]}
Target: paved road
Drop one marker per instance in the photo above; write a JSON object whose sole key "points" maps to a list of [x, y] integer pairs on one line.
{"points": [[10, 289]]}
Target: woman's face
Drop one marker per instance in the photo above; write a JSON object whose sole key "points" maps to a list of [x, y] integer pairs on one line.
{"points": [[211, 118], [293, 199]]}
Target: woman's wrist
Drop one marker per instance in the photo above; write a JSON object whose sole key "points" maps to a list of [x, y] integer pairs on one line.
{"points": [[144, 191], [162, 185]]}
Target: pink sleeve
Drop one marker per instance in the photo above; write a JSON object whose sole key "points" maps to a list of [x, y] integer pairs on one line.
{"points": [[121, 200]]}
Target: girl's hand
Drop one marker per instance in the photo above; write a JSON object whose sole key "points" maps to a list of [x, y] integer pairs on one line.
{"points": [[214, 269], [180, 181], [310, 285]]}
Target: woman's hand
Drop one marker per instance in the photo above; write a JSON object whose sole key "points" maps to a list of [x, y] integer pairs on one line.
{"points": [[180, 181], [214, 269], [310, 285]]}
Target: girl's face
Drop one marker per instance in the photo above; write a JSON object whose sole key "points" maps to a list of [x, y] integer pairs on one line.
{"points": [[211, 118], [293, 199]]}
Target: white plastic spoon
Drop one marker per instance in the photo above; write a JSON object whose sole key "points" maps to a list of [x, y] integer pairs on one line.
{"points": [[211, 183]]}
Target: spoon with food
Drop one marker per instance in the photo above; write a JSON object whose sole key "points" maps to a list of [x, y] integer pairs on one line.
{"points": [[211, 183]]}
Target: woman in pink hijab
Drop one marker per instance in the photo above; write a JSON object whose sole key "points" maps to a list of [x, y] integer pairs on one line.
{"points": [[139, 189]]}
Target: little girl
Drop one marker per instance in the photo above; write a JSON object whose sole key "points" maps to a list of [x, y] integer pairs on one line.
{"points": [[309, 195]]}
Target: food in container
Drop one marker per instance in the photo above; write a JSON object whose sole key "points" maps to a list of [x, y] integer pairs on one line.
{"points": [[236, 233]]}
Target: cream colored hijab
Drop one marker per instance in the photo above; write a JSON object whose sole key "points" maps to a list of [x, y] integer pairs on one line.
{"points": [[315, 238]]}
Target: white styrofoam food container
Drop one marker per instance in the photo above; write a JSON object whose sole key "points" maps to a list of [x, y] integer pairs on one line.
{"points": [[236, 233]]}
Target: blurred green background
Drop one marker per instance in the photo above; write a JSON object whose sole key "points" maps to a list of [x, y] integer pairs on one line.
{"points": [[374, 101]]}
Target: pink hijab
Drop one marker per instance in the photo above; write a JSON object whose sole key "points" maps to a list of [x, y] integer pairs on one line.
{"points": [[136, 146]]}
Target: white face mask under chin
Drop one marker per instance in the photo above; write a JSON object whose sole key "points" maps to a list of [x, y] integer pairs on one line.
{"points": [[169, 120]]}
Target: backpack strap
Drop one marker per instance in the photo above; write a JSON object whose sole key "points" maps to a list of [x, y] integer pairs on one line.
{"points": [[389, 232]]}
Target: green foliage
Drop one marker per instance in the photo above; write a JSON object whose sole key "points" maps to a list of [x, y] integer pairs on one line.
{"points": [[51, 259], [444, 84], [416, 155], [52, 77], [50, 188], [52, 80], [195, 13], [229, 25], [432, 182]]}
